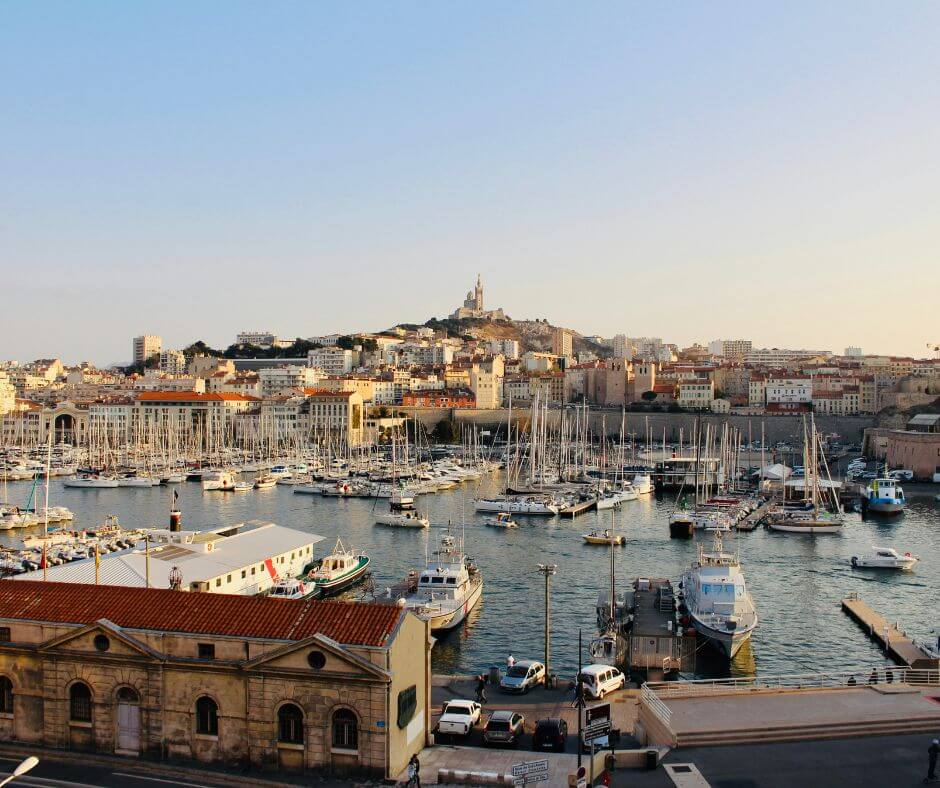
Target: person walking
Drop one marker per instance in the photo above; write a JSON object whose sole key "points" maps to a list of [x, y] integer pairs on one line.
{"points": [[414, 772], [932, 751], [510, 661], [481, 690]]}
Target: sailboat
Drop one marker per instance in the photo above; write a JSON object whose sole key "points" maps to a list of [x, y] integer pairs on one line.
{"points": [[609, 647], [812, 515]]}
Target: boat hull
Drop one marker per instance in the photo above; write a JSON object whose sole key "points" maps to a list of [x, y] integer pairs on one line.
{"points": [[727, 643], [446, 621], [806, 527], [886, 506], [335, 586]]}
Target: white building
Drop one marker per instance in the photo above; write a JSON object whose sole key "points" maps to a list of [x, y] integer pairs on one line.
{"points": [[7, 393], [507, 348], [279, 380], [328, 340], [730, 348], [696, 394], [853, 352], [797, 389], [173, 362], [146, 346], [331, 360], [258, 338], [562, 343]]}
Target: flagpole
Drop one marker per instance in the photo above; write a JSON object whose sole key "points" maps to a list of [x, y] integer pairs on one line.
{"points": [[97, 562], [147, 558]]}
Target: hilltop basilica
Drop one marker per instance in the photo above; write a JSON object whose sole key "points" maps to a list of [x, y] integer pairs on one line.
{"points": [[473, 306]]}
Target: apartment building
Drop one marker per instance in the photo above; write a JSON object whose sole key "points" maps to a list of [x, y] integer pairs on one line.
{"points": [[146, 347]]}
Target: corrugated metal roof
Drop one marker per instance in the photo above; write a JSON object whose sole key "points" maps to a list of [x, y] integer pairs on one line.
{"points": [[163, 610]]}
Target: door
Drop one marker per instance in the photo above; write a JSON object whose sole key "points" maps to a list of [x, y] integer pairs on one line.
{"points": [[128, 727]]}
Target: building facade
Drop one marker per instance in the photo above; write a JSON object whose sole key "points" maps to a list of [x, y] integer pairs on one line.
{"points": [[242, 681], [145, 347]]}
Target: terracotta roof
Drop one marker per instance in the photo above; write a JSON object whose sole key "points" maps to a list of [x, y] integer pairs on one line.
{"points": [[328, 393], [194, 612], [193, 396]]}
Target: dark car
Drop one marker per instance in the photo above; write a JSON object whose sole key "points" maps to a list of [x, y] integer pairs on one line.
{"points": [[504, 727], [550, 734]]}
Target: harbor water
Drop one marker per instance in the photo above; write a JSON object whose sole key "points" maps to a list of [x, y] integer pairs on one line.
{"points": [[797, 581]]}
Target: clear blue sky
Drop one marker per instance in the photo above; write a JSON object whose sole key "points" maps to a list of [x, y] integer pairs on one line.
{"points": [[691, 171]]}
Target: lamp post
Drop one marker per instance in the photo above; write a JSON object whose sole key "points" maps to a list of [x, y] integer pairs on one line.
{"points": [[20, 770], [547, 570]]}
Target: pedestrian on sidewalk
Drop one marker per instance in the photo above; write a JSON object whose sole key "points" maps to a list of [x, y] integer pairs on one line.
{"points": [[481, 690], [932, 751], [414, 772]]}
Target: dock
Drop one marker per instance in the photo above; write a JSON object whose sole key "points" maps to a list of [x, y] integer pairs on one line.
{"points": [[895, 642], [655, 646], [578, 508], [754, 519]]}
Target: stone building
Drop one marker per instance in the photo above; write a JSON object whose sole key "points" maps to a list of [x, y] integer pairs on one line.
{"points": [[244, 681]]}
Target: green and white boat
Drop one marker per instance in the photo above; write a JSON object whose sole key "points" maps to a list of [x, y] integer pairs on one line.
{"points": [[338, 570]]}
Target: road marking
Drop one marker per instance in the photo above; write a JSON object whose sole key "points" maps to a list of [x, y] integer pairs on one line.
{"points": [[159, 780], [685, 775]]}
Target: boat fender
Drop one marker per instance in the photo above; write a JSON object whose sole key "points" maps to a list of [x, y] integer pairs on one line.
{"points": [[907, 555]]}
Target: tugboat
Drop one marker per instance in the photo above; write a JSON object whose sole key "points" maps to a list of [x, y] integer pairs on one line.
{"points": [[884, 496]]}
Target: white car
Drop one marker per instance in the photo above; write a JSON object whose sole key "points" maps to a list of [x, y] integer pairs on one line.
{"points": [[599, 680], [901, 475], [459, 717], [523, 676]]}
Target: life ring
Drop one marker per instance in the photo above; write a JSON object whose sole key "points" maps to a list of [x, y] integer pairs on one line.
{"points": [[907, 555]]}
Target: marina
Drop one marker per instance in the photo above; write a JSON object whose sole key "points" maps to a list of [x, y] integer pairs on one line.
{"points": [[797, 581]]}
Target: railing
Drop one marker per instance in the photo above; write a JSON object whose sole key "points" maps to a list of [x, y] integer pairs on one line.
{"points": [[848, 678], [655, 705]]}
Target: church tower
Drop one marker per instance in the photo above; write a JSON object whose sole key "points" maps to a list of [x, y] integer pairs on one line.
{"points": [[478, 295]]}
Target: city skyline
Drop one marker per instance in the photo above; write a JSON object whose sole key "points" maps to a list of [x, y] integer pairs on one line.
{"points": [[694, 173]]}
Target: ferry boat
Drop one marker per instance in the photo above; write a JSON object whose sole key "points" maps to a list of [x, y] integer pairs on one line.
{"points": [[717, 600], [885, 496], [448, 588], [339, 570]]}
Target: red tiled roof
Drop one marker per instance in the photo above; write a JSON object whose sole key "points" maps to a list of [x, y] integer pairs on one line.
{"points": [[328, 393], [163, 610]]}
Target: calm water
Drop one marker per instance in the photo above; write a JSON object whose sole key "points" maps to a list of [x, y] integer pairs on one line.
{"points": [[797, 581]]}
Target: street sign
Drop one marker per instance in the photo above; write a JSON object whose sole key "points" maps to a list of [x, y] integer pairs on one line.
{"points": [[596, 730], [530, 772], [530, 767], [599, 712]]}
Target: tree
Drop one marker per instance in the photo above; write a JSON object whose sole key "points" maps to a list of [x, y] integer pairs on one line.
{"points": [[446, 431], [649, 396]]}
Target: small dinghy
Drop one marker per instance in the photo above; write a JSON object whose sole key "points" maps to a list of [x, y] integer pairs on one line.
{"points": [[604, 537]]}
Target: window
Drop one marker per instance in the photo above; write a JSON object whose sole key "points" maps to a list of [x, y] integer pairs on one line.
{"points": [[290, 724], [345, 730], [244, 573], [218, 582], [407, 703], [102, 643], [316, 660], [80, 703], [207, 651], [6, 695], [207, 717], [5, 635]]}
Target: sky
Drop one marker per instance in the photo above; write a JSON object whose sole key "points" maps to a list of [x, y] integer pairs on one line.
{"points": [[767, 171]]}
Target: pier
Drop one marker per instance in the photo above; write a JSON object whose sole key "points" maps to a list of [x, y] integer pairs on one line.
{"points": [[655, 646], [896, 643], [578, 508]]}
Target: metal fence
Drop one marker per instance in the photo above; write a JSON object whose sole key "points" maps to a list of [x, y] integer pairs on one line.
{"points": [[830, 680]]}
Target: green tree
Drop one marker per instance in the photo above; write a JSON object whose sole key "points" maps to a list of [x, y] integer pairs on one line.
{"points": [[649, 396]]}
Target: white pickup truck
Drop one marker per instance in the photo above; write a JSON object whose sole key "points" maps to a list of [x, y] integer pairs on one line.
{"points": [[459, 717]]}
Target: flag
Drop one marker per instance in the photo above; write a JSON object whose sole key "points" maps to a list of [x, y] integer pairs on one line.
{"points": [[176, 496]]}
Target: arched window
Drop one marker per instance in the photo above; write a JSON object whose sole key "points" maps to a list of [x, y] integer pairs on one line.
{"points": [[345, 730], [79, 702], [6, 695], [127, 695], [290, 724], [207, 716]]}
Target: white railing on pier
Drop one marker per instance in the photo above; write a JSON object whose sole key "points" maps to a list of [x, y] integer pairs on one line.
{"points": [[655, 705], [880, 674]]}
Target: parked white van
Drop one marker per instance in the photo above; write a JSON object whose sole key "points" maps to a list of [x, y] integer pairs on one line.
{"points": [[599, 680]]}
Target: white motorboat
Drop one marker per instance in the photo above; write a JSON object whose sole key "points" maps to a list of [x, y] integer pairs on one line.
{"points": [[885, 496], [717, 600], [173, 478], [404, 519], [643, 484], [293, 588], [539, 506], [502, 520], [885, 558], [266, 482], [244, 486], [218, 481], [448, 588], [90, 481]]}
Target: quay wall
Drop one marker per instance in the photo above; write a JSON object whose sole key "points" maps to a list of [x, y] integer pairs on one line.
{"points": [[776, 428]]}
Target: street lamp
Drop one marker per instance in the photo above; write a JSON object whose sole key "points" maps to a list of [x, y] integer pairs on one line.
{"points": [[20, 770]]}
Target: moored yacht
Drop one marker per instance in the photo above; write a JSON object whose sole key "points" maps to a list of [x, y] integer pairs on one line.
{"points": [[221, 481], [408, 518], [717, 600], [90, 481], [448, 588], [548, 506]]}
